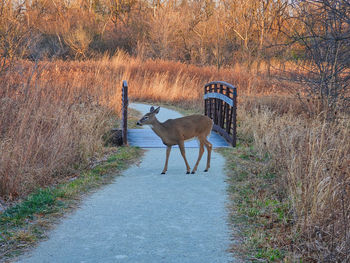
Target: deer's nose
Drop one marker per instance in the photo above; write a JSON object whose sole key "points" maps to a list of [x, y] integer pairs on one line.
{"points": [[138, 123]]}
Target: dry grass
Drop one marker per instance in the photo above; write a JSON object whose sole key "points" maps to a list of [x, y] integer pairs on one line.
{"points": [[312, 159], [50, 124], [54, 114], [53, 119], [175, 82]]}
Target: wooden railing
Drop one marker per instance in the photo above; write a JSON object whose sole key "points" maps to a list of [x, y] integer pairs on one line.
{"points": [[220, 104]]}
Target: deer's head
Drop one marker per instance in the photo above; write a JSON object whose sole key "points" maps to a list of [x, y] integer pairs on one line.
{"points": [[149, 117]]}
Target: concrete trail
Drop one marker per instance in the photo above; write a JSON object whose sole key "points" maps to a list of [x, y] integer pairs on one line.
{"points": [[144, 216]]}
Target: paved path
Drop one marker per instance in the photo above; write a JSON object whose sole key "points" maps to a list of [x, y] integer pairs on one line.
{"points": [[144, 216]]}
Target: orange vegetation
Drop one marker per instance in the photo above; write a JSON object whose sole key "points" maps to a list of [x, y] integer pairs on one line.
{"points": [[54, 115]]}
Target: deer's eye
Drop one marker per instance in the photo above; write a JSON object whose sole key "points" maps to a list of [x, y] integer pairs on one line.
{"points": [[145, 118]]}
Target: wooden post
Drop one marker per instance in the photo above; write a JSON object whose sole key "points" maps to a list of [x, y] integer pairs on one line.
{"points": [[125, 103], [215, 117], [210, 105], [221, 103], [205, 102], [228, 119], [234, 132]]}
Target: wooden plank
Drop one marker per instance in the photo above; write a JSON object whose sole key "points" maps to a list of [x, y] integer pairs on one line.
{"points": [[219, 96], [221, 82]]}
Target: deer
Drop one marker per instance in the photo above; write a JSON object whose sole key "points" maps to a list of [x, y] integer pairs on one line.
{"points": [[177, 131]]}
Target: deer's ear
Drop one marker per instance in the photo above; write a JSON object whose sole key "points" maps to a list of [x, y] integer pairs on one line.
{"points": [[157, 110], [151, 109]]}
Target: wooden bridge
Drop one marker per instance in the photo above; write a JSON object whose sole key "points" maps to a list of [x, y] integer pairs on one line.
{"points": [[220, 104]]}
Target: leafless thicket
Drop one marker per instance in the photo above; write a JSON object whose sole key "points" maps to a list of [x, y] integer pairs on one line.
{"points": [[322, 50], [201, 32]]}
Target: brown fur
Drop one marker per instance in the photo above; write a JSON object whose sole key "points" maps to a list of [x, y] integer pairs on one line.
{"points": [[177, 131]]}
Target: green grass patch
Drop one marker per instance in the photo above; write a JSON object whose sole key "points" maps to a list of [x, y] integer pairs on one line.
{"points": [[270, 254], [257, 208], [43, 201], [25, 223]]}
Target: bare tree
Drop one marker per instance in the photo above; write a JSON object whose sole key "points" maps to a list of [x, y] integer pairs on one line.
{"points": [[322, 45], [13, 35]]}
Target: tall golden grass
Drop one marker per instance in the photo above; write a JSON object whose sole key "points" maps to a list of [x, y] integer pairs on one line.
{"points": [[53, 117], [52, 120], [175, 82], [312, 159], [54, 114]]}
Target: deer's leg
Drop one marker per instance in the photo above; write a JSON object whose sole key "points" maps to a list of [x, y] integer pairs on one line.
{"points": [[201, 151], [209, 146], [168, 149], [182, 150]]}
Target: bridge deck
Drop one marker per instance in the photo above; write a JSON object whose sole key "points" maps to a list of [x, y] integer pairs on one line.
{"points": [[146, 138]]}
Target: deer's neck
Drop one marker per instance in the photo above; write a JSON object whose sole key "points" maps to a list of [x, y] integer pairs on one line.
{"points": [[159, 128]]}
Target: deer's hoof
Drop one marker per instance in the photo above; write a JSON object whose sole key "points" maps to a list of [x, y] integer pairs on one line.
{"points": [[193, 172], [162, 172], [206, 170], [187, 172]]}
